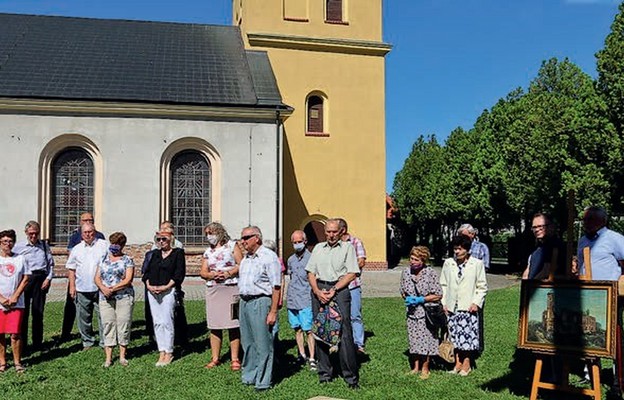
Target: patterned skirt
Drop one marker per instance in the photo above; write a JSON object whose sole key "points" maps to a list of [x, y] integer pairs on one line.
{"points": [[463, 330]]}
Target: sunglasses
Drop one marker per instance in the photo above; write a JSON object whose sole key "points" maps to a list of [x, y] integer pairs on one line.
{"points": [[247, 237], [162, 239]]}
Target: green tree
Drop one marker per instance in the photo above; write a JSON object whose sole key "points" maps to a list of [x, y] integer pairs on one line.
{"points": [[610, 66]]}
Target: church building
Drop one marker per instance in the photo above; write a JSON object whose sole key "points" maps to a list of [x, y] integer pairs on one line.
{"points": [[276, 121]]}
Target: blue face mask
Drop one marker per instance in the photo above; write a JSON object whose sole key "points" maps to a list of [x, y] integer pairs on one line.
{"points": [[114, 249], [298, 246]]}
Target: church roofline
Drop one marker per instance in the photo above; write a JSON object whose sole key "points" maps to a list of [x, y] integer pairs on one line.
{"points": [[350, 46]]}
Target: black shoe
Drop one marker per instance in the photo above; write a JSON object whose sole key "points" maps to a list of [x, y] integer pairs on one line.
{"points": [[262, 389], [354, 386]]}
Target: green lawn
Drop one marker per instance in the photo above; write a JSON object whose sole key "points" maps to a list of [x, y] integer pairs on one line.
{"points": [[67, 372]]}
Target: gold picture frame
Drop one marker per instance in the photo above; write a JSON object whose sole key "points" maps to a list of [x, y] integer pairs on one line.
{"points": [[568, 317]]}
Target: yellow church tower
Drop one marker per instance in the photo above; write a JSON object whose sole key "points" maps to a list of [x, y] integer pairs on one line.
{"points": [[328, 58]]}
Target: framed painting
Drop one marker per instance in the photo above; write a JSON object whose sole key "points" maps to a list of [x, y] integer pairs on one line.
{"points": [[570, 317]]}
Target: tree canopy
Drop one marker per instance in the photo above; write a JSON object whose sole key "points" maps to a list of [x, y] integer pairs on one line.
{"points": [[562, 133]]}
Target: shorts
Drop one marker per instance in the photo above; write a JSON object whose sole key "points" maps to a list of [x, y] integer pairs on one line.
{"points": [[300, 319], [11, 321]]}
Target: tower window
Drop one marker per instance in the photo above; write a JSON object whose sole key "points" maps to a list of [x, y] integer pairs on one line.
{"points": [[333, 9], [315, 114]]}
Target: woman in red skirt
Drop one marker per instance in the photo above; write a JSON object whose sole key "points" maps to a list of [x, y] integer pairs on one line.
{"points": [[13, 280]]}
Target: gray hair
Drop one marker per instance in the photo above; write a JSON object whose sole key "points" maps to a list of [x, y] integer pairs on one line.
{"points": [[270, 244], [342, 224], [256, 230], [32, 224], [87, 225], [467, 227], [334, 221], [303, 234]]}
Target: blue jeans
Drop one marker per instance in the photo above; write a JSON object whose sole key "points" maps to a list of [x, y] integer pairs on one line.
{"points": [[257, 342], [356, 317]]}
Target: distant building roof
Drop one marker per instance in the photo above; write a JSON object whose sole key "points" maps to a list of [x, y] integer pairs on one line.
{"points": [[50, 57]]}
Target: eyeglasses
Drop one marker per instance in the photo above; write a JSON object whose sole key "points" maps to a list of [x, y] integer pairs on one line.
{"points": [[162, 239], [247, 237], [7, 241], [538, 227], [87, 220]]}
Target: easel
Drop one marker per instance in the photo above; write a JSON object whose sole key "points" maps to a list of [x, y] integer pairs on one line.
{"points": [[593, 364]]}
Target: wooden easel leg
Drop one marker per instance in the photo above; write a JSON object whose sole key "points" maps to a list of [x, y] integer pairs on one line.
{"points": [[537, 374], [595, 369]]}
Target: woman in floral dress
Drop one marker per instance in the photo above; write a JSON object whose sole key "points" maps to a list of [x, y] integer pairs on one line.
{"points": [[420, 285]]}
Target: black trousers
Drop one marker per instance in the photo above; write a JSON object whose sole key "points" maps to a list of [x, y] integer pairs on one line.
{"points": [[149, 322], [34, 298], [347, 353], [69, 316]]}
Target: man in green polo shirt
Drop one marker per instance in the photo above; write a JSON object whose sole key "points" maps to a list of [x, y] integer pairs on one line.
{"points": [[332, 266]]}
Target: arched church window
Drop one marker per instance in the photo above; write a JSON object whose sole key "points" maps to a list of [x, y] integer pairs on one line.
{"points": [[315, 114], [72, 191], [190, 196]]}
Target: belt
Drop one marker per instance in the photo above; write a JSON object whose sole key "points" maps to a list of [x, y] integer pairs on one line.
{"points": [[252, 296], [39, 272], [332, 283]]}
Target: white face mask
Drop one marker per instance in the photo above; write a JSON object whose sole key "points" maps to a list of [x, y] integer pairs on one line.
{"points": [[298, 246], [212, 239]]}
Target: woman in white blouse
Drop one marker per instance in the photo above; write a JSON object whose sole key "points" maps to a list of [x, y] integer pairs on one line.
{"points": [[220, 269]]}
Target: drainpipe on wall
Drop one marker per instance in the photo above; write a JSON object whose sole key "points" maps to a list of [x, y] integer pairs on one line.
{"points": [[278, 184]]}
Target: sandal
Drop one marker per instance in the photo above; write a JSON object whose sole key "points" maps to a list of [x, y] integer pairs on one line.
{"points": [[19, 368], [3, 367], [235, 365], [212, 364]]}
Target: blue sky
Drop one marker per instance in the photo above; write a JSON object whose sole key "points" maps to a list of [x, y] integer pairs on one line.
{"points": [[451, 59]]}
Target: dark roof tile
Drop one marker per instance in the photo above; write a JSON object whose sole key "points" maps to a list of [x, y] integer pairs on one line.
{"points": [[120, 60]]}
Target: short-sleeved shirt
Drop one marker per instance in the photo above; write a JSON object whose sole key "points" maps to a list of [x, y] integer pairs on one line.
{"points": [[84, 259], [113, 272], [12, 270], [480, 251], [221, 259], [329, 263], [259, 273], [299, 294], [605, 250], [360, 252], [37, 256]]}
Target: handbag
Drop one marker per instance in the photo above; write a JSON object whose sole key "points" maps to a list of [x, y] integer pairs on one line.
{"points": [[435, 318], [446, 350]]}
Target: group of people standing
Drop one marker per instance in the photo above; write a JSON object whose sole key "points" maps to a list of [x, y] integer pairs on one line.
{"points": [[244, 289], [460, 290]]}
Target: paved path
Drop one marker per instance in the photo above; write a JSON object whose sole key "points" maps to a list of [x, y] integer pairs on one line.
{"points": [[375, 284]]}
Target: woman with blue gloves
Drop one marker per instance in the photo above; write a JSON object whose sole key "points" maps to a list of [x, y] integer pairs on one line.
{"points": [[420, 285]]}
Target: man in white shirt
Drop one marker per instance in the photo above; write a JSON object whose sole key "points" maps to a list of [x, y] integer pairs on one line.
{"points": [[82, 264]]}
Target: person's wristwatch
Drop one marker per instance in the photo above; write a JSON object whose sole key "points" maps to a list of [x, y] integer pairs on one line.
{"points": [[334, 288]]}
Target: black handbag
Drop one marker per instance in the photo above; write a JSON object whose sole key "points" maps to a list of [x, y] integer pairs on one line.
{"points": [[434, 315], [435, 318]]}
